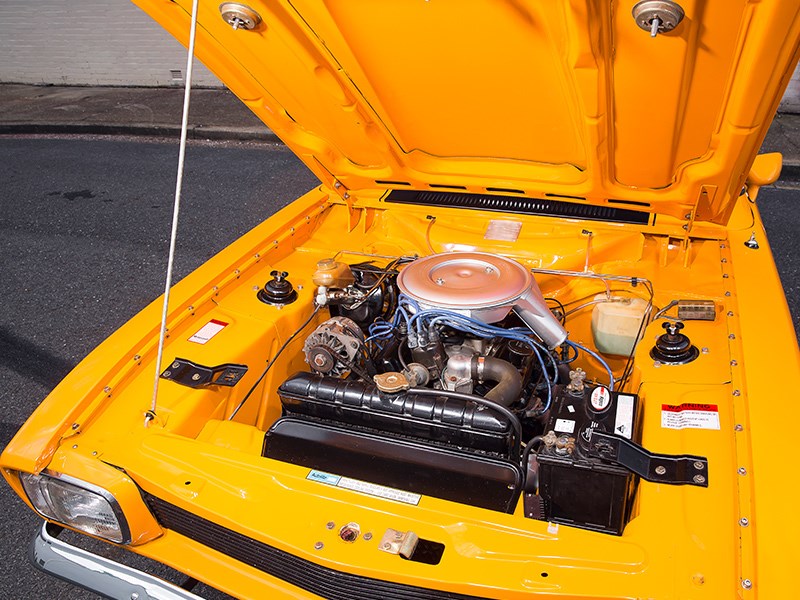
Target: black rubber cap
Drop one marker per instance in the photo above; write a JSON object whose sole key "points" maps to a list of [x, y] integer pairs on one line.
{"points": [[278, 290]]}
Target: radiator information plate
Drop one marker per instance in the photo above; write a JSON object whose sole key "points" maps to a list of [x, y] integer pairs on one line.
{"points": [[364, 487]]}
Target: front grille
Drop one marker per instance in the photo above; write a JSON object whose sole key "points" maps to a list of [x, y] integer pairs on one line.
{"points": [[526, 206], [309, 576]]}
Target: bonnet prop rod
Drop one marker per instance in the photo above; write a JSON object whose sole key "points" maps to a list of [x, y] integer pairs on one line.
{"points": [[151, 413]]}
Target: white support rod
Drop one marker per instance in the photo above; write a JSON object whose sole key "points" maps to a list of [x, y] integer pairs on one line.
{"points": [[175, 210]]}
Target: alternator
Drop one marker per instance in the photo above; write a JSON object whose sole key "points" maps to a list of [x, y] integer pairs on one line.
{"points": [[334, 347]]}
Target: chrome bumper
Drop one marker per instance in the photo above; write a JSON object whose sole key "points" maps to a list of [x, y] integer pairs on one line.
{"points": [[98, 574]]}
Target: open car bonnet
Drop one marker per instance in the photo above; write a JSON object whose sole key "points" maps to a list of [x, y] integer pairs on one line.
{"points": [[549, 98]]}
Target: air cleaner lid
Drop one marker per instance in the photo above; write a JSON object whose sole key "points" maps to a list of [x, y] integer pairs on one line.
{"points": [[462, 280]]}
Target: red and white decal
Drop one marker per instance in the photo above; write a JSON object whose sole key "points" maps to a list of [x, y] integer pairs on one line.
{"points": [[690, 416], [208, 331]]}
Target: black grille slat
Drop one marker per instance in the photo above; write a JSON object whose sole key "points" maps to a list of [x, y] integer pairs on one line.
{"points": [[322, 581], [527, 206]]}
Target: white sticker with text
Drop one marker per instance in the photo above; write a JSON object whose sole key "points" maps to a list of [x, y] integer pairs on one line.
{"points": [[208, 331], [689, 416]]}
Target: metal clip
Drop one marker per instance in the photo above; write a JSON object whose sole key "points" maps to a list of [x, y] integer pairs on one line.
{"points": [[399, 542]]}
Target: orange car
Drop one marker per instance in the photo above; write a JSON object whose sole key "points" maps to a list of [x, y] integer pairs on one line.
{"points": [[513, 346]]}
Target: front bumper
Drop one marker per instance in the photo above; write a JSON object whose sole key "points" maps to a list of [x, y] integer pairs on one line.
{"points": [[98, 574]]}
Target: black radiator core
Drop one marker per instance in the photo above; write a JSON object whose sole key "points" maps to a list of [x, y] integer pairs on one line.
{"points": [[435, 446]]}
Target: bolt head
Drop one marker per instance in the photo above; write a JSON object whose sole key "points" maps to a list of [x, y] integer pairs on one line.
{"points": [[660, 470], [738, 427], [367, 536], [737, 393], [319, 546], [744, 522], [747, 584], [330, 525], [698, 465], [699, 479], [741, 471]]}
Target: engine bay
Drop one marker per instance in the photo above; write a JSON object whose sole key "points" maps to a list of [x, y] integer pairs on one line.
{"points": [[452, 375]]}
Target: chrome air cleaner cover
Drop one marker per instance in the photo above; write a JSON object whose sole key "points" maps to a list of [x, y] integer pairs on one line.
{"points": [[481, 286]]}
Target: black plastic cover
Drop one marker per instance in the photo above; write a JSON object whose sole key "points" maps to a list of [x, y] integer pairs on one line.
{"points": [[403, 464]]}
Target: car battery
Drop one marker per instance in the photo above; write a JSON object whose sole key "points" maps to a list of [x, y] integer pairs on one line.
{"points": [[576, 487]]}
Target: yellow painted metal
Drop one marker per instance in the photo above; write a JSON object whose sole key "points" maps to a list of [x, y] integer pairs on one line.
{"points": [[682, 542], [673, 123], [541, 97]]}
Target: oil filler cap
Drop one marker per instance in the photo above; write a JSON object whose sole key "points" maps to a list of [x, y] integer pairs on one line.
{"points": [[673, 347]]}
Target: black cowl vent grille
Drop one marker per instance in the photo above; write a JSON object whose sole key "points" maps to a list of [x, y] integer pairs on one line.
{"points": [[526, 206], [316, 579]]}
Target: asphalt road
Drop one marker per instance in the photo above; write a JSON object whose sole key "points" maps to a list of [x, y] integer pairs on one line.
{"points": [[84, 227]]}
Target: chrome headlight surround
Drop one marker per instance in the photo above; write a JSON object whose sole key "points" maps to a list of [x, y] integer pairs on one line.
{"points": [[76, 504]]}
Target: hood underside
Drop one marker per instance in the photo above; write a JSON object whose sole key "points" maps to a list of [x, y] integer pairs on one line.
{"points": [[536, 98]]}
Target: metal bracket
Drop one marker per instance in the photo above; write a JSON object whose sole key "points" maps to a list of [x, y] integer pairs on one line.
{"points": [[399, 542], [673, 469], [192, 375]]}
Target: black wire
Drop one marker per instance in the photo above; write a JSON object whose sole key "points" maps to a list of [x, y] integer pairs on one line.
{"points": [[534, 441], [477, 400], [562, 308], [274, 359]]}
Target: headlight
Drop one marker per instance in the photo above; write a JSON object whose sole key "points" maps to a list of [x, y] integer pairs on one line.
{"points": [[77, 504]]}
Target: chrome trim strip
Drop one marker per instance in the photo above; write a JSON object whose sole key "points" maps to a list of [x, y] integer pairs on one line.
{"points": [[98, 574]]}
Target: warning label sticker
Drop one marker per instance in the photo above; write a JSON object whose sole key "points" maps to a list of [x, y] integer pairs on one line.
{"points": [[689, 416], [208, 331], [364, 487]]}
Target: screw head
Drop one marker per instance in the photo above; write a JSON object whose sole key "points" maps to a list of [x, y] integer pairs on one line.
{"points": [[741, 471], [737, 393], [744, 522], [134, 595], [330, 525], [747, 584], [699, 479], [367, 536], [196, 377], [738, 427], [75, 425], [698, 465], [660, 470], [730, 313], [704, 350], [319, 546], [732, 336]]}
